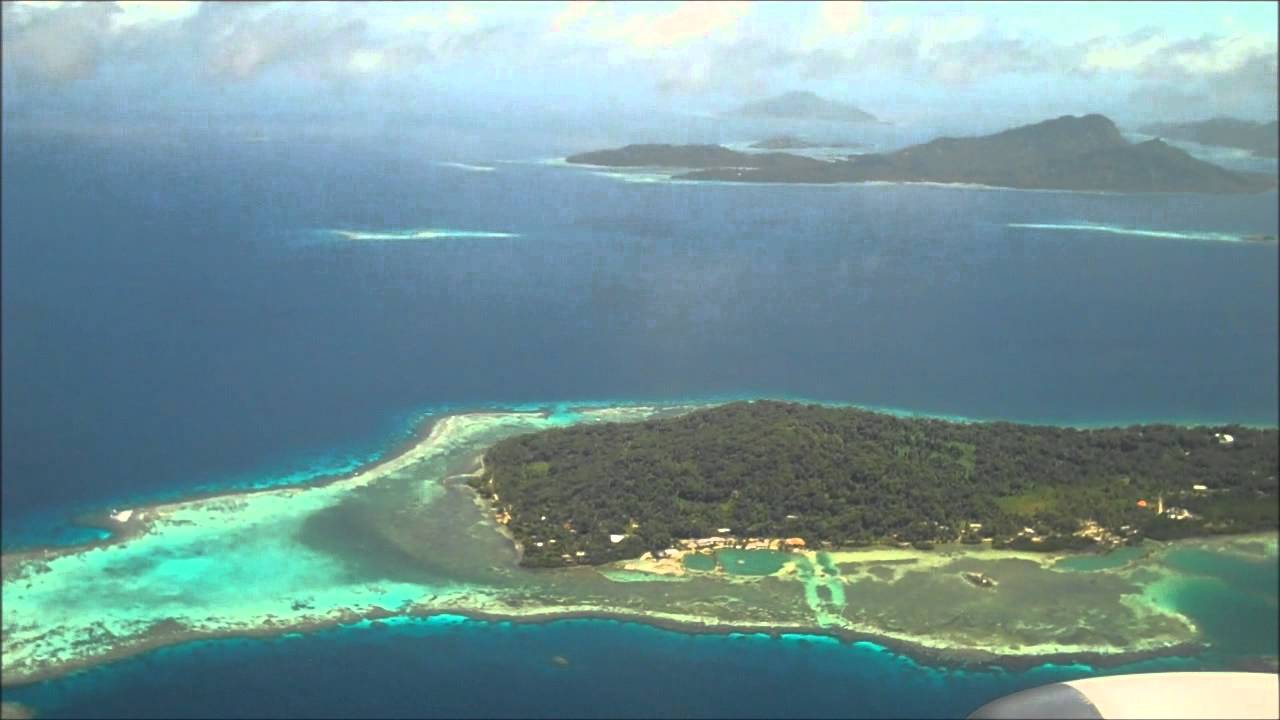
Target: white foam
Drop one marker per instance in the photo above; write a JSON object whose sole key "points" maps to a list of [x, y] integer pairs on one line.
{"points": [[1142, 232], [466, 166], [418, 234], [635, 177]]}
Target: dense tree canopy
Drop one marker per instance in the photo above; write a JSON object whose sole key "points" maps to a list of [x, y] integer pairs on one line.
{"points": [[847, 477]]}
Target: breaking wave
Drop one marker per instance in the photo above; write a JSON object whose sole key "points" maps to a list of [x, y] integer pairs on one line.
{"points": [[417, 234], [466, 166], [1142, 232]]}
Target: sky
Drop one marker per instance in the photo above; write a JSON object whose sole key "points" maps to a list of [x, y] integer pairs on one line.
{"points": [[139, 64]]}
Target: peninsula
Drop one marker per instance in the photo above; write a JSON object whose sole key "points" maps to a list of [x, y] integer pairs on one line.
{"points": [[1085, 153]]}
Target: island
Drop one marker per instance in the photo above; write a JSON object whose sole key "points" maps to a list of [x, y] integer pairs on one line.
{"points": [[804, 105], [1260, 139], [692, 156], [792, 142], [410, 537], [1085, 153], [783, 475]]}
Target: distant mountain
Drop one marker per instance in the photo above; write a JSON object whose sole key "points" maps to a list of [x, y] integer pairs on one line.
{"points": [[802, 105], [1261, 139], [1067, 153]]}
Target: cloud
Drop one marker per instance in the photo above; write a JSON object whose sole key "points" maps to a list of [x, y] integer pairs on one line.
{"points": [[687, 22], [239, 44], [674, 48], [574, 11], [965, 62], [1120, 53], [1213, 55], [746, 68], [1151, 54], [1188, 77], [1249, 88], [56, 43], [836, 19], [148, 12]]}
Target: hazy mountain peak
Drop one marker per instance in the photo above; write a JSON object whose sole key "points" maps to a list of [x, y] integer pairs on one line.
{"points": [[806, 105]]}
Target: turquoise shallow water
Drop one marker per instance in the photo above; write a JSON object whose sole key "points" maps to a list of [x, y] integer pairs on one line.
{"points": [[704, 562], [1089, 563], [1233, 599], [751, 562]]}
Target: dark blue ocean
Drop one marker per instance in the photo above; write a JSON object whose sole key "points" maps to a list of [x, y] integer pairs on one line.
{"points": [[176, 316]]}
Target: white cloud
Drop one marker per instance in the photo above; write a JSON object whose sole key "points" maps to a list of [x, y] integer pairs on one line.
{"points": [[57, 42], [1219, 55], [943, 31], [366, 61], [730, 48], [144, 12], [573, 13], [686, 23], [1122, 53], [241, 45], [836, 20]]}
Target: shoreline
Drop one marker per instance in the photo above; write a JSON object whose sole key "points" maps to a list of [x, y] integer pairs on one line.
{"points": [[679, 179], [432, 436]]}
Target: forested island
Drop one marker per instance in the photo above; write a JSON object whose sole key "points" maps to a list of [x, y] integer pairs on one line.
{"points": [[1067, 153], [844, 477]]}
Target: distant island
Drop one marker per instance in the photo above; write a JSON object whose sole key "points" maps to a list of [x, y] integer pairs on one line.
{"points": [[1260, 139], [1085, 153], [779, 475], [791, 142], [803, 105]]}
